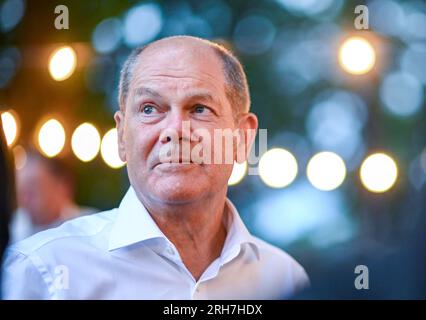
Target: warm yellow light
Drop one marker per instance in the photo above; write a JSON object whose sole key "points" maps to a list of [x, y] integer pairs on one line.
{"points": [[378, 172], [85, 142], [62, 63], [326, 171], [51, 138], [20, 156], [10, 126], [357, 56], [109, 149], [238, 172], [277, 168]]}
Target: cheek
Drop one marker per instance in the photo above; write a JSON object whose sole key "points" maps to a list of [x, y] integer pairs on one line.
{"points": [[140, 142], [217, 143], [223, 149], [221, 171]]}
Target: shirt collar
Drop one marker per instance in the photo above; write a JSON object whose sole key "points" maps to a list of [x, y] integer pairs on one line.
{"points": [[237, 235], [134, 224]]}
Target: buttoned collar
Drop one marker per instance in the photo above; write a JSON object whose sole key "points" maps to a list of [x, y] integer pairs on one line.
{"points": [[237, 235], [134, 224]]}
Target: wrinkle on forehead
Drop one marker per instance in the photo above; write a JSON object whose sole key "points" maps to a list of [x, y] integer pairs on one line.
{"points": [[190, 62], [185, 88]]}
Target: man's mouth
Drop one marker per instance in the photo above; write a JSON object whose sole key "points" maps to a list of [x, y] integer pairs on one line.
{"points": [[174, 167], [176, 162]]}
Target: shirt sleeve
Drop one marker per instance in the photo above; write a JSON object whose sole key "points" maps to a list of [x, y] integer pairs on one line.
{"points": [[23, 277]]}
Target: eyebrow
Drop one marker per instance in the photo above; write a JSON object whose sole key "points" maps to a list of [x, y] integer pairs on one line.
{"points": [[191, 95], [202, 95], [144, 91]]}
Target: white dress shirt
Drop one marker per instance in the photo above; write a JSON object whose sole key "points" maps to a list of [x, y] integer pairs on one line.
{"points": [[122, 254]]}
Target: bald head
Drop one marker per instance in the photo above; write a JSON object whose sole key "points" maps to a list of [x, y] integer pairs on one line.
{"points": [[189, 49]]}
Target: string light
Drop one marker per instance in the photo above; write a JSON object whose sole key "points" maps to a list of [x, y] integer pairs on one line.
{"points": [[62, 63], [357, 56]]}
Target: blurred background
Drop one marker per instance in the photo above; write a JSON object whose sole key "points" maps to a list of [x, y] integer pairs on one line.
{"points": [[344, 108]]}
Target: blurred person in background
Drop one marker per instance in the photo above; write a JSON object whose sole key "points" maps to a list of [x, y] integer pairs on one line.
{"points": [[7, 193], [45, 190]]}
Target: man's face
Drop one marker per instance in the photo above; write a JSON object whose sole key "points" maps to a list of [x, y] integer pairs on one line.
{"points": [[172, 84], [39, 192]]}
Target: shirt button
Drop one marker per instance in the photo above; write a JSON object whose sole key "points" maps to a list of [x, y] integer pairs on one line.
{"points": [[170, 251]]}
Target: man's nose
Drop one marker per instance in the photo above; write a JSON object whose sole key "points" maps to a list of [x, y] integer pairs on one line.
{"points": [[176, 128]]}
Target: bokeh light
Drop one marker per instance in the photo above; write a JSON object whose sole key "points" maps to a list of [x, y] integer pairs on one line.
{"points": [[10, 126], [51, 138], [85, 142], [10, 60], [402, 94], [254, 35], [142, 24], [304, 57], [326, 171], [357, 56], [277, 168], [7, 70], [415, 21], [302, 212], [310, 7], [378, 172], [335, 123], [387, 17], [62, 63], [238, 173], [107, 35], [109, 149], [11, 13], [413, 61]]}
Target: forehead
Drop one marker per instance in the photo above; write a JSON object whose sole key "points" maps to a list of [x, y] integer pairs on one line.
{"points": [[181, 65]]}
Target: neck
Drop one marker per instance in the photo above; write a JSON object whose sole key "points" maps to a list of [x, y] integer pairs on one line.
{"points": [[197, 229]]}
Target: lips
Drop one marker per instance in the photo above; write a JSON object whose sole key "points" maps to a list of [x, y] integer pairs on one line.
{"points": [[174, 167], [174, 154], [178, 161]]}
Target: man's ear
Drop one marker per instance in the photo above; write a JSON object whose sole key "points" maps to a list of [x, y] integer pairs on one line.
{"points": [[119, 123], [247, 126]]}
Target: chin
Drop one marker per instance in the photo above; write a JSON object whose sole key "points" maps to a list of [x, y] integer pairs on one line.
{"points": [[177, 191]]}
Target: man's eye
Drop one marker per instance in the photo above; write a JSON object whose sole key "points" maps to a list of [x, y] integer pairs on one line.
{"points": [[148, 109], [200, 109]]}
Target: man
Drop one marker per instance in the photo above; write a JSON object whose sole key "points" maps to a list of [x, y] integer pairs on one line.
{"points": [[45, 196], [175, 234]]}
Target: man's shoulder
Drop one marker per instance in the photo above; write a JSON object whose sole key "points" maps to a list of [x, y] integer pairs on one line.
{"points": [[282, 266], [77, 230], [275, 255]]}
